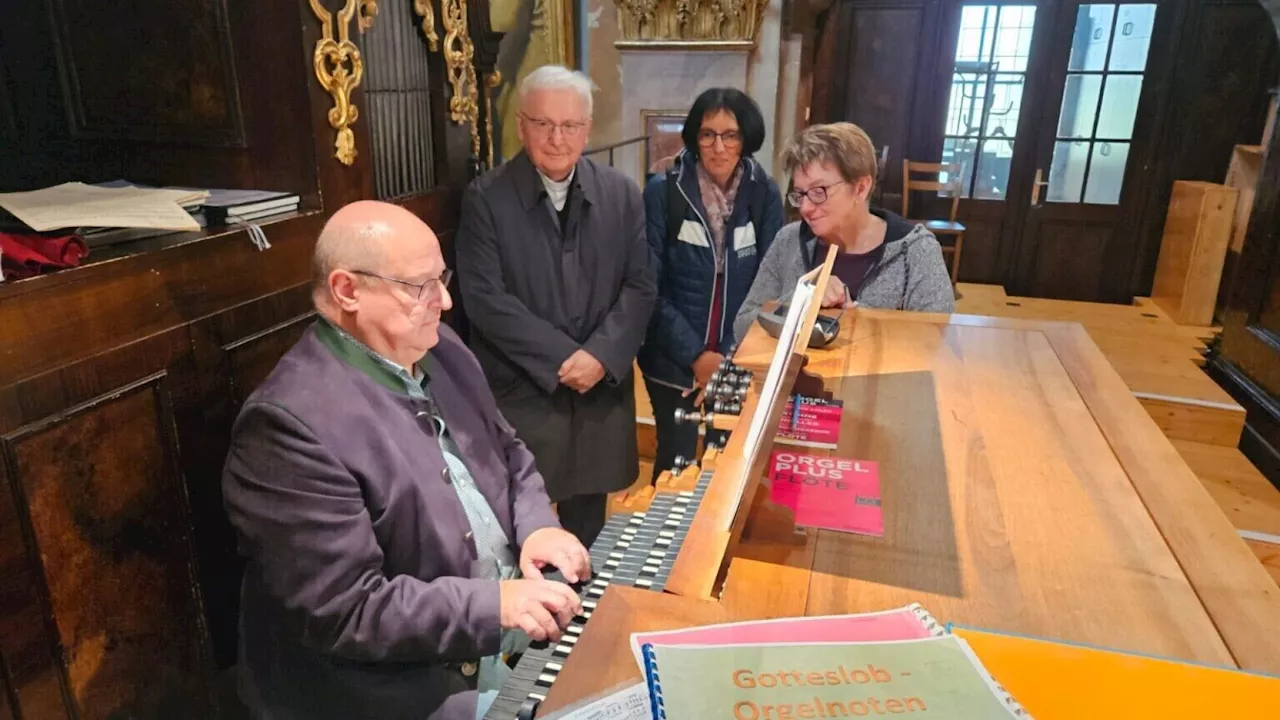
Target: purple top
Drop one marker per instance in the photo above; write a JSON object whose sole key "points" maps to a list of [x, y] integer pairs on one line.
{"points": [[852, 268]]}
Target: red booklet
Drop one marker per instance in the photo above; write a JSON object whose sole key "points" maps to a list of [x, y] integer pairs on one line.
{"points": [[814, 422], [831, 493]]}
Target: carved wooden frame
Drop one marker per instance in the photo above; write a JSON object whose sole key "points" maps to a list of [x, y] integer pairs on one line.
{"points": [[79, 127]]}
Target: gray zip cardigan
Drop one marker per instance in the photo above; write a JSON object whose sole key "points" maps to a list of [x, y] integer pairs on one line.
{"points": [[911, 274]]}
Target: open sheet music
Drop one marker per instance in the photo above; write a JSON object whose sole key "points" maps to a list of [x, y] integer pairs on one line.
{"points": [[631, 702], [75, 205]]}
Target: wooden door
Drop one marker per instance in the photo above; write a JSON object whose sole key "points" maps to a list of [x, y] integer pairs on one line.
{"points": [[988, 79], [1088, 149]]}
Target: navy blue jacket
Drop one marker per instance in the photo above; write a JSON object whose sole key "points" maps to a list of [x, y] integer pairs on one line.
{"points": [[678, 331]]}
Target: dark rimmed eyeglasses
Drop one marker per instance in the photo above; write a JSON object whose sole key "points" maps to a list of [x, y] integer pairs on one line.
{"points": [[731, 138], [421, 288], [816, 194]]}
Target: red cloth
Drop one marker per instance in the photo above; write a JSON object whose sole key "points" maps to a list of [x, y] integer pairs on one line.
{"points": [[23, 256]]}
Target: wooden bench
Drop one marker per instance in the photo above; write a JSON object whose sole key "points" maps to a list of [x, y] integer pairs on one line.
{"points": [[1249, 501], [1159, 360]]}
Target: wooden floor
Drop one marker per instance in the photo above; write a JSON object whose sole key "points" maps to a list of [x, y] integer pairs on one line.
{"points": [[1160, 361]]}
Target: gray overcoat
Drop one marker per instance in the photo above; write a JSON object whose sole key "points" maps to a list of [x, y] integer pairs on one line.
{"points": [[534, 295]]}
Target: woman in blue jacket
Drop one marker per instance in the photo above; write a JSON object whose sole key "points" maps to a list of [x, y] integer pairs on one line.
{"points": [[709, 221]]}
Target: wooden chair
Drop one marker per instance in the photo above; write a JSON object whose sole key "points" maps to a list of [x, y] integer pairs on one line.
{"points": [[940, 228]]}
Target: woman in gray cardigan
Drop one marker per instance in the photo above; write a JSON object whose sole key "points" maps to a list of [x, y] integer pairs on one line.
{"points": [[884, 261]]}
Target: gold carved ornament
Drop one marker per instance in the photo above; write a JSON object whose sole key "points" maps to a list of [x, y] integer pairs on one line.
{"points": [[459, 55], [339, 68], [459, 61], [689, 22], [494, 80], [423, 8]]}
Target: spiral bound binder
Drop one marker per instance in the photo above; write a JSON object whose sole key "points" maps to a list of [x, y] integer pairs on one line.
{"points": [[655, 685], [930, 623]]}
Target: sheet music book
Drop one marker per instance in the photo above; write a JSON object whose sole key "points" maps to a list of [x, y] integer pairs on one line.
{"points": [[810, 422], [933, 677], [629, 701], [910, 622], [828, 492], [75, 205], [1062, 680]]}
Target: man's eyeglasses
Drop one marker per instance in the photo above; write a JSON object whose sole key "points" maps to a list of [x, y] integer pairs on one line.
{"points": [[543, 126], [732, 139], [817, 194], [420, 289]]}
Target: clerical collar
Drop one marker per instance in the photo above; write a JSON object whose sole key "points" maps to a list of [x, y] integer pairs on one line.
{"points": [[558, 190]]}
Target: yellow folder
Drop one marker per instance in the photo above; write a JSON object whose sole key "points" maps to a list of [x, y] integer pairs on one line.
{"points": [[1055, 680]]}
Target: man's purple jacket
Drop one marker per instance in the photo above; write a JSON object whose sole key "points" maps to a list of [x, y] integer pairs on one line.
{"points": [[359, 599]]}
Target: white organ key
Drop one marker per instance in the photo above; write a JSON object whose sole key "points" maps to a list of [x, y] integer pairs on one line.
{"points": [[538, 696], [643, 583], [555, 667], [564, 649], [570, 639], [546, 679], [666, 534]]}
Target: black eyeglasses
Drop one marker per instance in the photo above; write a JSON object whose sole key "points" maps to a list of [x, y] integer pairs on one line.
{"points": [[817, 194], [730, 138], [420, 287]]}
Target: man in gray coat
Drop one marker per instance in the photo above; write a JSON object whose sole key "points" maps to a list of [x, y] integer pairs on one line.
{"points": [[555, 278], [386, 508]]}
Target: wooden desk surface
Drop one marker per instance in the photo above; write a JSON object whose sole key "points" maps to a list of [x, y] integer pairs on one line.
{"points": [[1024, 489]]}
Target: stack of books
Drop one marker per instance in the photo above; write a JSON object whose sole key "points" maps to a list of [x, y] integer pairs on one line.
{"points": [[904, 662]]}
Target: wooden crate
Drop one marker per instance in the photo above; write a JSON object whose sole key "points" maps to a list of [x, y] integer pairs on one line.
{"points": [[1197, 231]]}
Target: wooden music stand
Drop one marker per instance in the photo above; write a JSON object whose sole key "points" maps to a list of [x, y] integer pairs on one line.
{"points": [[717, 526]]}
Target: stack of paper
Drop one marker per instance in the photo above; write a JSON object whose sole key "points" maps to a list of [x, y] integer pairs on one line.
{"points": [[77, 205]]}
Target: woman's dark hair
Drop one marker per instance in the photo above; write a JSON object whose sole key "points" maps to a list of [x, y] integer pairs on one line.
{"points": [[737, 103]]}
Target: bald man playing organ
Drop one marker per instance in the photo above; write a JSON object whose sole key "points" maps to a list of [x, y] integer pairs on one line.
{"points": [[386, 507]]}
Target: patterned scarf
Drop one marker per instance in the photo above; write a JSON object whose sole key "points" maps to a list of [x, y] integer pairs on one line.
{"points": [[719, 205]]}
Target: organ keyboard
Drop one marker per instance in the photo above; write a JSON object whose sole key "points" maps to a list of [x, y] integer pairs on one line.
{"points": [[634, 549]]}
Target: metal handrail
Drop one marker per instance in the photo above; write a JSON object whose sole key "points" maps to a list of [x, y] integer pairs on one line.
{"points": [[614, 146]]}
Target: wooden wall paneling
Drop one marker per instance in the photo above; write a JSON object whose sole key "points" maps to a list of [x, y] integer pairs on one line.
{"points": [[1248, 358], [883, 78], [1220, 59], [7, 700], [31, 678], [272, 80], [104, 508], [8, 122], [171, 60], [827, 94], [215, 103], [69, 316], [233, 351], [42, 152]]}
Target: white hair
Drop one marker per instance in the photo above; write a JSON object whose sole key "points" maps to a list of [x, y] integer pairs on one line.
{"points": [[557, 77]]}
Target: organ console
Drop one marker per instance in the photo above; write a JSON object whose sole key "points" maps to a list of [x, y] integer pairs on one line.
{"points": [[1023, 487]]}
